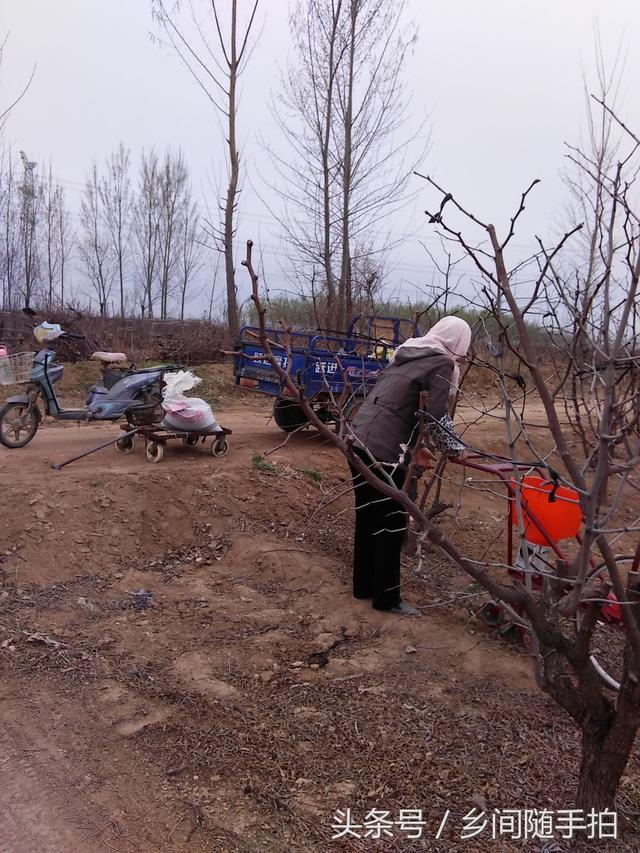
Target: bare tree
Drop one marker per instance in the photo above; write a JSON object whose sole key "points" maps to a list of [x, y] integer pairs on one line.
{"points": [[66, 240], [146, 227], [212, 291], [172, 184], [10, 223], [51, 212], [341, 107], [216, 64], [567, 611], [115, 196], [19, 238], [596, 273], [95, 244], [5, 109], [580, 608], [191, 248]]}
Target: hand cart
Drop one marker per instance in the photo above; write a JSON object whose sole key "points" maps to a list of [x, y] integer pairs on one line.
{"points": [[156, 437]]}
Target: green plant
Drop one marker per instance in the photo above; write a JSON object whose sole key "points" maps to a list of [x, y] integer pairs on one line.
{"points": [[260, 463], [312, 474]]}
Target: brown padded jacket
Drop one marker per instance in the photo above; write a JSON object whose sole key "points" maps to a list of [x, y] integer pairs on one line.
{"points": [[389, 415]]}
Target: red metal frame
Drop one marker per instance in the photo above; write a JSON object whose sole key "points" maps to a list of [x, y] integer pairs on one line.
{"points": [[504, 469]]}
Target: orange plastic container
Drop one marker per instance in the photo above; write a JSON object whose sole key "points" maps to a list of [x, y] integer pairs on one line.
{"points": [[561, 518]]}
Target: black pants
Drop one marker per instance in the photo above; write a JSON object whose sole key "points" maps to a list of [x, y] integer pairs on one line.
{"points": [[380, 532]]}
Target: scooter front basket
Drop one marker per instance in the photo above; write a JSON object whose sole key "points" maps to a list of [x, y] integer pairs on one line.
{"points": [[16, 368]]}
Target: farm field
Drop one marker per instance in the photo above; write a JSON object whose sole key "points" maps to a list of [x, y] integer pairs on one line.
{"points": [[183, 666]]}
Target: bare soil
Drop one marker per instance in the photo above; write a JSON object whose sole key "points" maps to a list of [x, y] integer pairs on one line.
{"points": [[184, 668]]}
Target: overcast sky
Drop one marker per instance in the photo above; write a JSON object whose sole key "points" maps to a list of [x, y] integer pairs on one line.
{"points": [[501, 82]]}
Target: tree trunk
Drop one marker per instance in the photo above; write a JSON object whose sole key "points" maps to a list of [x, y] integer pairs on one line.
{"points": [[331, 318], [232, 189], [344, 297], [63, 246], [149, 299], [608, 734], [232, 300], [121, 269], [49, 243], [606, 746]]}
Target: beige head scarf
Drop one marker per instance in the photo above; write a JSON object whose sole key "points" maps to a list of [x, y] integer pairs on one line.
{"points": [[451, 336]]}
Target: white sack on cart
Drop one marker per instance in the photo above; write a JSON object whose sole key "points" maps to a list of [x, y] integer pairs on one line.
{"points": [[186, 413]]}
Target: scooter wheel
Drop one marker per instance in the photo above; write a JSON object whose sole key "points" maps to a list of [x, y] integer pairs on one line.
{"points": [[155, 451], [19, 422], [190, 440], [219, 447], [126, 445]]}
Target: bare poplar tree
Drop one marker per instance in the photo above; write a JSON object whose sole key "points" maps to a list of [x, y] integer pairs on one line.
{"points": [[51, 238], [216, 63], [95, 244], [146, 227], [10, 240], [18, 213], [172, 183], [65, 240], [304, 112], [341, 106], [191, 247], [212, 291], [115, 196]]}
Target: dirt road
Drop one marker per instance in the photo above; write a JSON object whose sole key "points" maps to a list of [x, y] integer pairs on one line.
{"points": [[183, 667]]}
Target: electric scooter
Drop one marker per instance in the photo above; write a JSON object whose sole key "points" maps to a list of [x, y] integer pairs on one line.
{"points": [[124, 391]]}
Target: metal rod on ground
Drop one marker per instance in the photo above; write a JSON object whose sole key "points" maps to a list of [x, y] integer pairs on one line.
{"points": [[59, 465]]}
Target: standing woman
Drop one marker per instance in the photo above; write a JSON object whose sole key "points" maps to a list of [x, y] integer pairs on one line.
{"points": [[386, 424]]}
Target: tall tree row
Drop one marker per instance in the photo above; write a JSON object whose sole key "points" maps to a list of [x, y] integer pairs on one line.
{"points": [[343, 168], [136, 247]]}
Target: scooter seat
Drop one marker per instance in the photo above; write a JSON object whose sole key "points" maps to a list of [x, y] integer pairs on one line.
{"points": [[109, 357]]}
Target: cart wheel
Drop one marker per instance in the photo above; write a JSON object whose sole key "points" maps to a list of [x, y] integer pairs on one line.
{"points": [[126, 445], [190, 440], [155, 451], [219, 446]]}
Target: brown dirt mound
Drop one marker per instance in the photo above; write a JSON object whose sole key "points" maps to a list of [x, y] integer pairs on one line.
{"points": [[184, 667]]}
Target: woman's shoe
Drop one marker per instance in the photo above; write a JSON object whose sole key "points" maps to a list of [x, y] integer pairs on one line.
{"points": [[405, 610]]}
